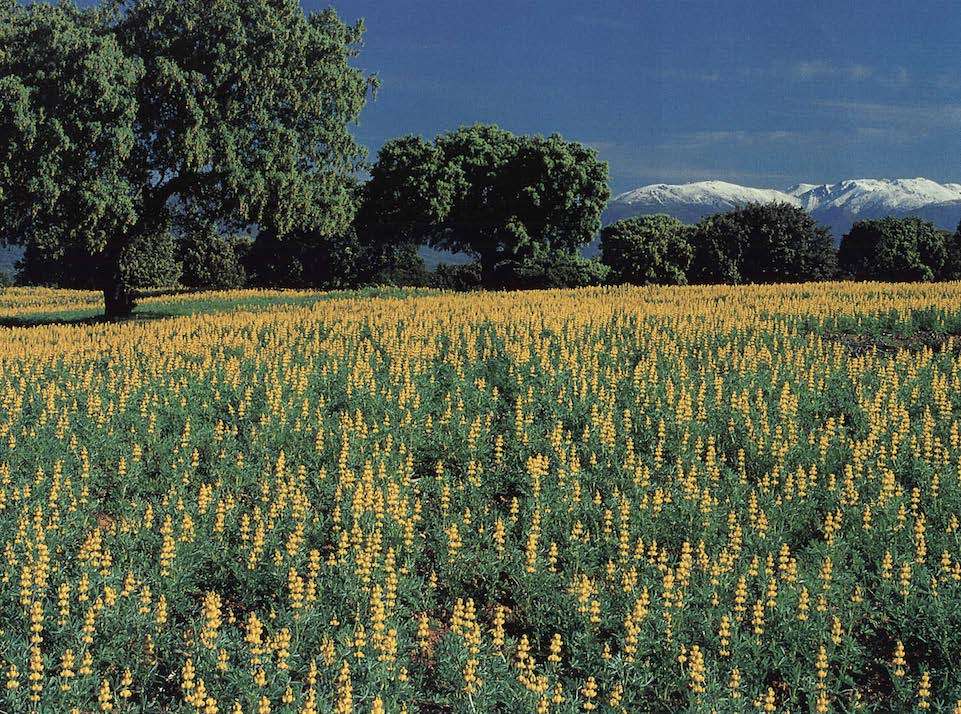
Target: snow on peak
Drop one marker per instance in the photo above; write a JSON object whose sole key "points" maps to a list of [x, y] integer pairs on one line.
{"points": [[801, 188], [837, 205], [719, 194], [859, 195]]}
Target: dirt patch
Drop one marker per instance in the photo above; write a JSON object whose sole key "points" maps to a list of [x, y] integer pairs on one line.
{"points": [[860, 344]]}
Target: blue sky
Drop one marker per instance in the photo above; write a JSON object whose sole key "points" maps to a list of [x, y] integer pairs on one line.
{"points": [[760, 93]]}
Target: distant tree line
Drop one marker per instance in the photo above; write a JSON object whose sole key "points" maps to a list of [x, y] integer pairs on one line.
{"points": [[776, 243], [137, 152]]}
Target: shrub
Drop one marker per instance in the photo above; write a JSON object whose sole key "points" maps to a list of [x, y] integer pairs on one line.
{"points": [[303, 260], [147, 262], [647, 250], [460, 278], [150, 262], [549, 270], [400, 265], [952, 263], [212, 260], [896, 250]]}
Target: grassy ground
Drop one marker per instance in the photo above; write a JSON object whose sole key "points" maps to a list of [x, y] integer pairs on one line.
{"points": [[86, 307]]}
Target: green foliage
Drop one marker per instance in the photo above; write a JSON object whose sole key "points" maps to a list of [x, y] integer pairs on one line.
{"points": [[303, 260], [398, 265], [410, 190], [898, 249], [64, 265], [212, 260], [311, 260], [647, 250], [149, 261], [117, 123], [545, 270], [488, 193], [718, 251], [952, 262], [68, 111], [762, 243], [460, 278], [145, 262]]}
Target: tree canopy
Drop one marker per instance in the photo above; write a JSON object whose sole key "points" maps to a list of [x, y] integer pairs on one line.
{"points": [[897, 249], [762, 243], [486, 192], [647, 250], [121, 123]]}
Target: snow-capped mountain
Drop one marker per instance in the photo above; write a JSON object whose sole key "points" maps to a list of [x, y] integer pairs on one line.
{"points": [[839, 205], [690, 202], [860, 195], [836, 205]]}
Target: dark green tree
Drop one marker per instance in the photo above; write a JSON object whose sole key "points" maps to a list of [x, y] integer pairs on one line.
{"points": [[303, 260], [544, 270], [212, 260], [410, 192], [485, 192], [118, 123], [952, 262], [719, 246], [647, 250], [762, 243], [895, 249], [147, 262]]}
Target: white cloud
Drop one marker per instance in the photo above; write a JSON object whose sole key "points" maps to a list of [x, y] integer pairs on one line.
{"points": [[679, 74], [906, 116], [800, 71], [819, 69], [702, 139]]}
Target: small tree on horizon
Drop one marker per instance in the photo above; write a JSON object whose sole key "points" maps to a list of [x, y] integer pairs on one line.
{"points": [[120, 122]]}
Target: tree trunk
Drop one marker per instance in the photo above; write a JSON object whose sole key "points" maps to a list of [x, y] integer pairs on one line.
{"points": [[118, 300], [118, 295], [488, 276]]}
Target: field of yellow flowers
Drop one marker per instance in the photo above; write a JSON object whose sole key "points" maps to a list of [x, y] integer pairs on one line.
{"points": [[634, 500]]}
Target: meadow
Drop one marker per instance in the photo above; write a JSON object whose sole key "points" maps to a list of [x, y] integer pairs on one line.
{"points": [[705, 499]]}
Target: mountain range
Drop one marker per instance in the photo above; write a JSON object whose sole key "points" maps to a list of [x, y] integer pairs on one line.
{"points": [[835, 205]]}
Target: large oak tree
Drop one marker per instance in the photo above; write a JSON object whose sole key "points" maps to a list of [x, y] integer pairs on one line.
{"points": [[123, 122]]}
